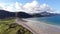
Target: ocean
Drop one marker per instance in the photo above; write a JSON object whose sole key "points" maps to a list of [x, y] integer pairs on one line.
{"points": [[53, 20], [47, 25]]}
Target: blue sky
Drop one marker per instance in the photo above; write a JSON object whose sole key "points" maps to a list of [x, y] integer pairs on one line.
{"points": [[55, 4]]}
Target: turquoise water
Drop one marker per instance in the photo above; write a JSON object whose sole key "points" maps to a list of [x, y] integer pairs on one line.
{"points": [[55, 20]]}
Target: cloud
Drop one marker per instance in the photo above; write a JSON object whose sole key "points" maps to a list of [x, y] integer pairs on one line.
{"points": [[5, 6], [10, 8], [14, 7], [18, 6], [45, 7], [2, 6], [32, 7]]}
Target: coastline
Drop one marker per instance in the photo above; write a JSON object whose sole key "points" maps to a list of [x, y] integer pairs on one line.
{"points": [[45, 28], [42, 23]]}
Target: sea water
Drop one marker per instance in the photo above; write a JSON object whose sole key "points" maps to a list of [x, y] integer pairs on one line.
{"points": [[54, 20]]}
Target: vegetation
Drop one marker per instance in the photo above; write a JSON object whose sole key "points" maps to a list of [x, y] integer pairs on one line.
{"points": [[9, 27]]}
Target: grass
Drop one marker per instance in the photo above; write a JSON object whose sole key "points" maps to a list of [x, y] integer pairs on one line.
{"points": [[9, 27]]}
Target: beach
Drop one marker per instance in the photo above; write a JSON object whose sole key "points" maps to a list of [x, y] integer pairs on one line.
{"points": [[28, 25], [43, 28]]}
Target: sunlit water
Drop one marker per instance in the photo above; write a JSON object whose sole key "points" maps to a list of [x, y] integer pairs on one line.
{"points": [[48, 25], [54, 20]]}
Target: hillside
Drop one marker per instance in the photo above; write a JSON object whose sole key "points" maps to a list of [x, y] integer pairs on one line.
{"points": [[6, 14], [9, 27]]}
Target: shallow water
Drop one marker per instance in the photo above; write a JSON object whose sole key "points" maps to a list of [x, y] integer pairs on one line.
{"points": [[44, 27], [54, 20]]}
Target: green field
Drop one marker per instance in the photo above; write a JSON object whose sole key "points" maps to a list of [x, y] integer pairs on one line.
{"points": [[9, 27]]}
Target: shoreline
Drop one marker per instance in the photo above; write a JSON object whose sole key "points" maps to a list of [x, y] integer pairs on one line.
{"points": [[45, 28], [42, 23]]}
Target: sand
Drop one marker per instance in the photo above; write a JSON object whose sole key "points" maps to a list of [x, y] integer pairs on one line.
{"points": [[43, 28]]}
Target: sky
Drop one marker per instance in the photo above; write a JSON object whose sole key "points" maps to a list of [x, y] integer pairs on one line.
{"points": [[28, 5]]}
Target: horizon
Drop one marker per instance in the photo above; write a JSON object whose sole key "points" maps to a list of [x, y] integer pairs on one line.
{"points": [[30, 6]]}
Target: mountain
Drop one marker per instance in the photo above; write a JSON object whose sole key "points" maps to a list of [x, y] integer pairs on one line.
{"points": [[6, 14], [23, 15], [44, 14], [37, 15], [41, 14]]}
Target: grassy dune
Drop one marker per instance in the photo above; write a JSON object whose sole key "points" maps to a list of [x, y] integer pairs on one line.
{"points": [[9, 27]]}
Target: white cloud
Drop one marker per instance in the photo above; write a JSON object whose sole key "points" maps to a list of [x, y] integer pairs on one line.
{"points": [[32, 7], [57, 12], [18, 6], [2, 6], [45, 7], [5, 6], [14, 7], [10, 8]]}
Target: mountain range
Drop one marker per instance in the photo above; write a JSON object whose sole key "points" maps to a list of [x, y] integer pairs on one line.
{"points": [[7, 14]]}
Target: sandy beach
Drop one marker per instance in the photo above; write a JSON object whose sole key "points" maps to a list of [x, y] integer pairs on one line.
{"points": [[39, 27], [45, 28]]}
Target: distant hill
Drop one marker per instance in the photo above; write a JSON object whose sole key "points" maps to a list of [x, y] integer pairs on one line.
{"points": [[23, 15], [48, 14], [45, 14], [6, 14], [42, 14]]}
